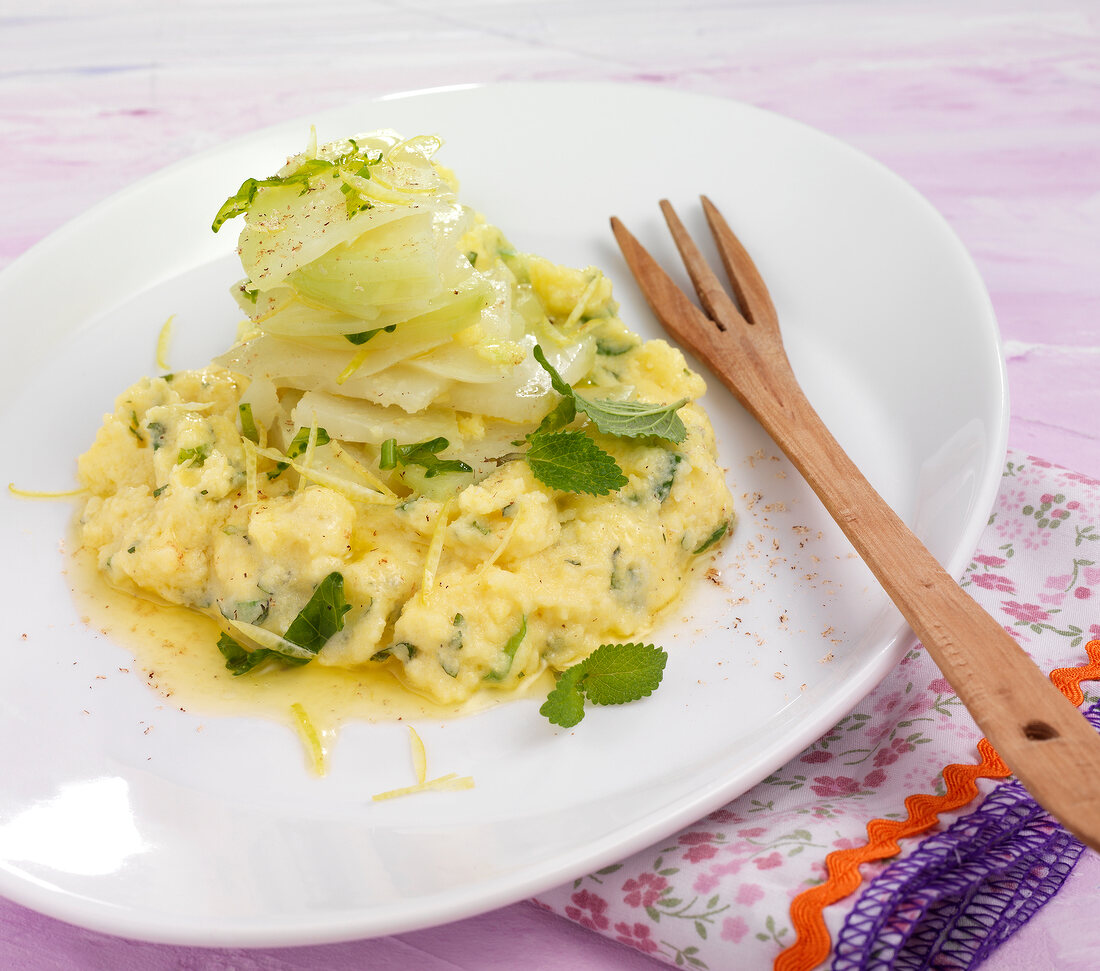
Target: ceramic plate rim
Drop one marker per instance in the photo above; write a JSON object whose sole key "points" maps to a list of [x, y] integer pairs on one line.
{"points": [[450, 905]]}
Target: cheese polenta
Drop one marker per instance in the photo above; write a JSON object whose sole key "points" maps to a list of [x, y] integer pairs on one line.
{"points": [[426, 452]]}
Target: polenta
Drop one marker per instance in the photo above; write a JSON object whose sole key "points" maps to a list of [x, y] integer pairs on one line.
{"points": [[426, 451]]}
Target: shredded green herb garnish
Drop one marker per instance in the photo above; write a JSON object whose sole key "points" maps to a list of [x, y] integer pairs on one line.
{"points": [[421, 453], [240, 202], [365, 335]]}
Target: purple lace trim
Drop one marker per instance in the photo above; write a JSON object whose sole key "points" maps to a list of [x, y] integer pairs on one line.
{"points": [[963, 891]]}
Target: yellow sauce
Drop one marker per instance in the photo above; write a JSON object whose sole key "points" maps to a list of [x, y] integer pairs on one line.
{"points": [[175, 651]]}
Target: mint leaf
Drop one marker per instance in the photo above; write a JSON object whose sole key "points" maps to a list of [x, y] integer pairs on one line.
{"points": [[628, 419], [613, 674], [618, 673], [635, 419], [560, 416], [321, 617], [564, 705], [557, 382], [572, 462]]}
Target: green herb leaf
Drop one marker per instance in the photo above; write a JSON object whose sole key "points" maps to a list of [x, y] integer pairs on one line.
{"points": [[321, 617], [365, 335], [572, 462], [240, 202], [635, 419], [248, 423], [500, 670], [196, 456], [714, 537], [618, 673], [560, 416], [298, 444], [424, 454], [317, 621], [239, 661], [564, 705], [629, 419], [613, 674]]}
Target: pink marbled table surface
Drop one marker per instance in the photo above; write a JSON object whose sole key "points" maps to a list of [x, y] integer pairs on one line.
{"points": [[991, 109]]}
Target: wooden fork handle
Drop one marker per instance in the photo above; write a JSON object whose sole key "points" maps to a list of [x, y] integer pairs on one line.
{"points": [[1041, 736]]}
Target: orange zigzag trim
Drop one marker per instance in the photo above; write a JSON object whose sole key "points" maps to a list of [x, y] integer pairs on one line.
{"points": [[812, 942]]}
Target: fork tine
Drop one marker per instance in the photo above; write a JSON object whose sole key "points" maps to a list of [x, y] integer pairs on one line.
{"points": [[712, 295], [748, 285], [680, 317]]}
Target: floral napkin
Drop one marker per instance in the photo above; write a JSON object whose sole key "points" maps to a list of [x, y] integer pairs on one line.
{"points": [[747, 886]]}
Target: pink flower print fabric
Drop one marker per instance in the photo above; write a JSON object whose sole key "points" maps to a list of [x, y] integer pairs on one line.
{"points": [[717, 894]]}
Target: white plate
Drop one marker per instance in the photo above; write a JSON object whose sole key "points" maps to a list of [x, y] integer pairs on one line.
{"points": [[221, 836]]}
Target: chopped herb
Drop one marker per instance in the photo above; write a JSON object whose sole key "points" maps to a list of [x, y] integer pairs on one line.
{"points": [[613, 674], [613, 347], [503, 664], [157, 492], [240, 202], [663, 487], [298, 444], [156, 431], [714, 537], [197, 456], [365, 335], [422, 453], [248, 423]]}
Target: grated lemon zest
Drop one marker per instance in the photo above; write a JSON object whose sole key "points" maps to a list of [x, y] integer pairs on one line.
{"points": [[362, 471], [445, 783], [346, 488], [41, 494], [419, 756], [307, 731], [353, 365], [251, 488], [162, 343], [500, 548], [435, 551], [578, 307]]}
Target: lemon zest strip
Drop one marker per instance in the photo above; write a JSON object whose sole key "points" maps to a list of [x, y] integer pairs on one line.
{"points": [[449, 782], [312, 738]]}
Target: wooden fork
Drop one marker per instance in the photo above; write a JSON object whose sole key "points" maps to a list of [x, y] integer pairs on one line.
{"points": [[1040, 735]]}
